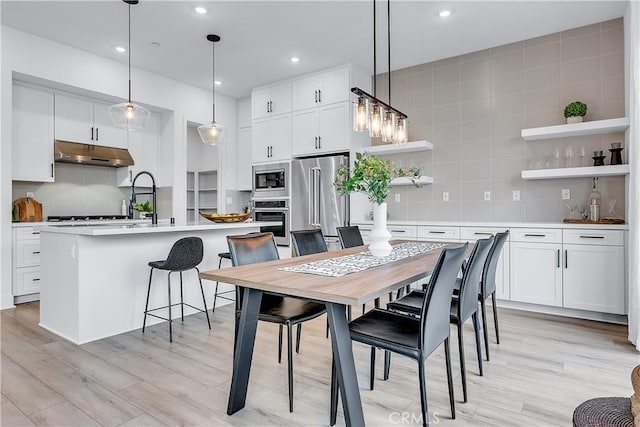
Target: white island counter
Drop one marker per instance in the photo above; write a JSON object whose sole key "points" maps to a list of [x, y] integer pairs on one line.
{"points": [[94, 278]]}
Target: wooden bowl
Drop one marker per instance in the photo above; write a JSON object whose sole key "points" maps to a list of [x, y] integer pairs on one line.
{"points": [[232, 217]]}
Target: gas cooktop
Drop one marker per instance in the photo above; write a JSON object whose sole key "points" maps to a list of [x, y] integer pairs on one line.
{"points": [[81, 218]]}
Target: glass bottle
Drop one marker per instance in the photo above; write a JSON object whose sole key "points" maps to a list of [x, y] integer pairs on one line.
{"points": [[595, 202]]}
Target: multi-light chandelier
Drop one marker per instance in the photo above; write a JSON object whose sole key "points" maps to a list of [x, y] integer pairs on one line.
{"points": [[372, 114]]}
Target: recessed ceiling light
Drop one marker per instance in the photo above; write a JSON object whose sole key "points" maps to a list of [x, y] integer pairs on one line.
{"points": [[445, 13], [121, 49], [217, 82], [201, 10], [294, 59]]}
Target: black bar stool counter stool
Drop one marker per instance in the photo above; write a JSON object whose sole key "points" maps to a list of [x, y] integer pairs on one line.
{"points": [[216, 294], [185, 254]]}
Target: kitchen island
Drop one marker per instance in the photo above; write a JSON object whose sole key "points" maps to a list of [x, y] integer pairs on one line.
{"points": [[94, 278]]}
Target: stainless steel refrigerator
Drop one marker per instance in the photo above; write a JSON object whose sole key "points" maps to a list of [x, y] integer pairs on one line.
{"points": [[315, 203]]}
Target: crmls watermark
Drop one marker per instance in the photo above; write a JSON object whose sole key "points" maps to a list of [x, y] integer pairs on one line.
{"points": [[411, 418]]}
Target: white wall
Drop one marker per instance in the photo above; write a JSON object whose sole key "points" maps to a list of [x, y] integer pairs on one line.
{"points": [[62, 65]]}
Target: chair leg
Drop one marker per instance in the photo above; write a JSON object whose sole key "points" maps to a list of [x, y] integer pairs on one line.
{"points": [[495, 316], [290, 364], [181, 300], [327, 331], [387, 364], [423, 392], [372, 368], [334, 394], [363, 308], [170, 318], [204, 300], [348, 314], [376, 303], [476, 328], [298, 336], [447, 357], [463, 368], [215, 294], [390, 296], [146, 306], [279, 343], [483, 312]]}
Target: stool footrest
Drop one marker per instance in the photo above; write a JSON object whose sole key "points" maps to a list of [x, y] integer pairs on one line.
{"points": [[172, 305]]}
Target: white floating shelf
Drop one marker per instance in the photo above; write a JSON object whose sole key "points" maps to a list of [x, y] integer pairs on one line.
{"points": [[208, 189], [423, 180], [408, 147], [584, 172], [576, 129], [208, 207]]}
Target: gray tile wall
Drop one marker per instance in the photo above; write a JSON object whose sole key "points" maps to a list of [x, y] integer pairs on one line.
{"points": [[473, 107]]}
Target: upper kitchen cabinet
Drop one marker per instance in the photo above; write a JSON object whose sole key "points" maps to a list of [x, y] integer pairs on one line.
{"points": [[270, 101], [271, 139], [321, 130], [320, 89], [243, 161], [143, 147], [33, 133], [86, 121]]}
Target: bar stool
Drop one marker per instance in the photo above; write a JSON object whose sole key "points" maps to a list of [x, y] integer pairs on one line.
{"points": [[185, 254], [216, 295]]}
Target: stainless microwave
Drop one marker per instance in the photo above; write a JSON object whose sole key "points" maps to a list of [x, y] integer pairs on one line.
{"points": [[271, 180]]}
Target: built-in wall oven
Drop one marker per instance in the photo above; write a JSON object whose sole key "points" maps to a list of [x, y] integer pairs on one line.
{"points": [[274, 210], [271, 180]]}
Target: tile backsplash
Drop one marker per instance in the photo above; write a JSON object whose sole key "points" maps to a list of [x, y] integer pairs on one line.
{"points": [[77, 190], [473, 108]]}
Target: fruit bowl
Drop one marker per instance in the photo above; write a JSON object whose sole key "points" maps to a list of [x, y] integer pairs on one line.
{"points": [[231, 217]]}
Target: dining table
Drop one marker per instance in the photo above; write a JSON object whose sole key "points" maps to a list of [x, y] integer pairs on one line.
{"points": [[337, 293]]}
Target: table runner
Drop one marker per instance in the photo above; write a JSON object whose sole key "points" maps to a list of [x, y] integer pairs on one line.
{"points": [[341, 266]]}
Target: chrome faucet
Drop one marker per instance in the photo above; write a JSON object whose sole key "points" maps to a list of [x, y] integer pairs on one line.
{"points": [[154, 214]]}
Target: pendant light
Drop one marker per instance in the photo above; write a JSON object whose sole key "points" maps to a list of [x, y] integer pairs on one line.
{"points": [[212, 133], [128, 115], [372, 114]]}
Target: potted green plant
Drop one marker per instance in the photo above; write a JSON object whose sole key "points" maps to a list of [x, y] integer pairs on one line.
{"points": [[143, 208], [372, 176], [575, 111]]}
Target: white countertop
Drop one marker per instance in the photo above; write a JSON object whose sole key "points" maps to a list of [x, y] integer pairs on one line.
{"points": [[499, 224], [144, 228], [92, 222]]}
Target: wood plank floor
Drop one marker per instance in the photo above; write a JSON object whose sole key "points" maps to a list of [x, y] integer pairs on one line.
{"points": [[543, 368]]}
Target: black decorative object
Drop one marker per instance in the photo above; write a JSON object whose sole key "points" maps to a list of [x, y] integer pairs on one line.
{"points": [[598, 160], [616, 153]]}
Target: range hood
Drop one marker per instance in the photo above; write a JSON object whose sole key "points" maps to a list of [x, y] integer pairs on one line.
{"points": [[86, 154]]}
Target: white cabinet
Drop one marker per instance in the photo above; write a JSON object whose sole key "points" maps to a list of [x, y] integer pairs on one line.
{"points": [[270, 101], [202, 194], [32, 134], [271, 139], [320, 130], [26, 261], [243, 164], [471, 234], [439, 233], [397, 231], [143, 146], [86, 121], [594, 271], [320, 89], [536, 274]]}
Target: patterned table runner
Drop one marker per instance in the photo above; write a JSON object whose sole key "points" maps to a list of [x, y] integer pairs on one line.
{"points": [[347, 264]]}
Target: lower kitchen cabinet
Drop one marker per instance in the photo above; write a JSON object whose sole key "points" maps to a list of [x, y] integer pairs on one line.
{"points": [[26, 261], [536, 273], [471, 234]]}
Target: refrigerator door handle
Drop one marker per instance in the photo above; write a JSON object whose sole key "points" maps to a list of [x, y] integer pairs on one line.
{"points": [[311, 196], [317, 198]]}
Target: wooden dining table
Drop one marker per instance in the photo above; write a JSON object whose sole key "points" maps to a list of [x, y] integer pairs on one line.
{"points": [[335, 292]]}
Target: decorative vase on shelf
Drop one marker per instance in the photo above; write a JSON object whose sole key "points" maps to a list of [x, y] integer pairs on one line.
{"points": [[380, 236], [575, 119]]}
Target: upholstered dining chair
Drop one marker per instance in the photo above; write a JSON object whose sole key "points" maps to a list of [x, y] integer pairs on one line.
{"points": [[414, 337], [261, 247]]}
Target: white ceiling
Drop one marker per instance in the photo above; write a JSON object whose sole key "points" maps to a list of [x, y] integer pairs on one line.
{"points": [[259, 37]]}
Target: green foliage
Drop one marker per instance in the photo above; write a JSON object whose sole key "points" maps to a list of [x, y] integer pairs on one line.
{"points": [[575, 109], [143, 207], [372, 176]]}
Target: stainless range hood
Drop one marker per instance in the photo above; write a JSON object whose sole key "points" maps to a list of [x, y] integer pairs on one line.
{"points": [[86, 154]]}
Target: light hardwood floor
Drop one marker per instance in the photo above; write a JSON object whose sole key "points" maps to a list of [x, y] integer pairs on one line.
{"points": [[543, 368]]}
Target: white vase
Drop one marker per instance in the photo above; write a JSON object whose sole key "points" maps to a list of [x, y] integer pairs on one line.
{"points": [[574, 119], [380, 236]]}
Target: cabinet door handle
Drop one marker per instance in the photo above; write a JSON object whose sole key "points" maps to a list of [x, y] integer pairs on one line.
{"points": [[483, 234], [592, 237], [97, 135], [35, 280], [315, 96], [398, 231], [36, 252], [319, 95], [92, 133], [436, 232], [557, 258], [271, 106], [566, 261], [130, 175], [35, 232], [535, 235], [51, 170], [319, 142], [315, 142]]}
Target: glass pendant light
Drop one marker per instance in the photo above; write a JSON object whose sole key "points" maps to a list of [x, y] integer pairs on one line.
{"points": [[388, 127], [128, 115], [401, 130], [375, 121], [212, 133], [361, 114]]}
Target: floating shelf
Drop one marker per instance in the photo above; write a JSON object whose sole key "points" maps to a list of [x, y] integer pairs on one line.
{"points": [[583, 172], [208, 189], [576, 129], [423, 180], [408, 147], [208, 207]]}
